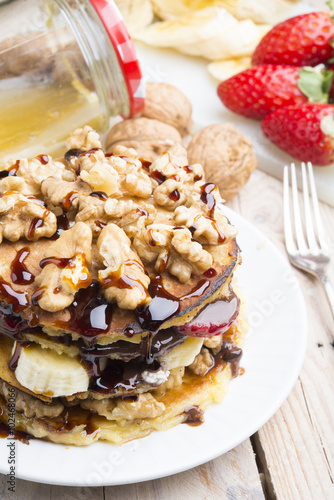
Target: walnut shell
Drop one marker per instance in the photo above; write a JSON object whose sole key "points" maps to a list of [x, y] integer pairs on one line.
{"points": [[226, 155], [169, 105], [150, 138]]}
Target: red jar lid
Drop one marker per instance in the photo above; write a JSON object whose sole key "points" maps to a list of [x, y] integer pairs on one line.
{"points": [[125, 51]]}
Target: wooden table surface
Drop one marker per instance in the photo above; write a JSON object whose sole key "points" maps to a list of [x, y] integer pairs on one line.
{"points": [[292, 455]]}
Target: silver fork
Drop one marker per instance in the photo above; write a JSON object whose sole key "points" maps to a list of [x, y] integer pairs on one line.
{"points": [[312, 255]]}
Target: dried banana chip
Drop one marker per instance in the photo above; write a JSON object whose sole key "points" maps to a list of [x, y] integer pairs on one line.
{"points": [[222, 70], [137, 14], [170, 9], [259, 11], [264, 11], [212, 33]]}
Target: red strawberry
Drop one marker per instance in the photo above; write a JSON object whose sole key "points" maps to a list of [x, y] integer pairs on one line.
{"points": [[300, 41], [257, 91], [305, 131]]}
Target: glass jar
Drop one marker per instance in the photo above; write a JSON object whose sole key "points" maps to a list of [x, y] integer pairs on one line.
{"points": [[63, 63]]}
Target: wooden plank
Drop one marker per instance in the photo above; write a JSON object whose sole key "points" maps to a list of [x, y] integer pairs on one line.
{"points": [[24, 489], [27, 490], [296, 447], [231, 476]]}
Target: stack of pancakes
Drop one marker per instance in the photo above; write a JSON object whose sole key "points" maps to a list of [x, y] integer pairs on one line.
{"points": [[97, 370]]}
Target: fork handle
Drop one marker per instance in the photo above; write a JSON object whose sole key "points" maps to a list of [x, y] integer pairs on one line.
{"points": [[329, 290]]}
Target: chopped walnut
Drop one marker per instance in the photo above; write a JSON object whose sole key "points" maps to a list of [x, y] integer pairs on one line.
{"points": [[134, 180], [145, 406], [30, 174], [116, 175], [91, 211], [144, 212], [202, 363], [169, 195], [191, 251], [124, 279], [24, 217], [31, 406], [59, 193], [174, 380], [13, 183], [152, 242], [88, 160], [98, 172], [173, 184], [84, 138], [137, 184], [59, 285], [103, 407], [97, 213], [122, 151], [164, 165], [119, 208], [172, 249], [214, 343], [205, 229]]}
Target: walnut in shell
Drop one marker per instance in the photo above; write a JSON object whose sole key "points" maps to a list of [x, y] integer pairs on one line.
{"points": [[226, 155], [168, 104], [150, 138]]}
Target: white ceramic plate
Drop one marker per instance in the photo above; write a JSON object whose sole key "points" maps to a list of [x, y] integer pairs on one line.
{"points": [[273, 355]]}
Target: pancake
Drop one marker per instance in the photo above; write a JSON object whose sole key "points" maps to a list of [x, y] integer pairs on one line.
{"points": [[117, 310], [184, 402], [226, 259]]}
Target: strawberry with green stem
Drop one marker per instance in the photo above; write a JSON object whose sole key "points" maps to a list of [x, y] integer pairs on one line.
{"points": [[305, 131], [262, 89]]}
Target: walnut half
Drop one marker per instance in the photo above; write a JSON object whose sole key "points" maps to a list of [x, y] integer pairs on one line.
{"points": [[65, 268], [24, 217], [84, 138], [124, 279]]}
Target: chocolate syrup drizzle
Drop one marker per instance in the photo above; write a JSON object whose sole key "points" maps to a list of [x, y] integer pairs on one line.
{"points": [[63, 224], [11, 171], [90, 313], [20, 274]]}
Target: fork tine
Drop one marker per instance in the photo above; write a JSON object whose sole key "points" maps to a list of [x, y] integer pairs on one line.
{"points": [[301, 243], [316, 210], [289, 241], [308, 216]]}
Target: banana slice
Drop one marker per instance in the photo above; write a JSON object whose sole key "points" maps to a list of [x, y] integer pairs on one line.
{"points": [[43, 371], [222, 70], [212, 33], [184, 354]]}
